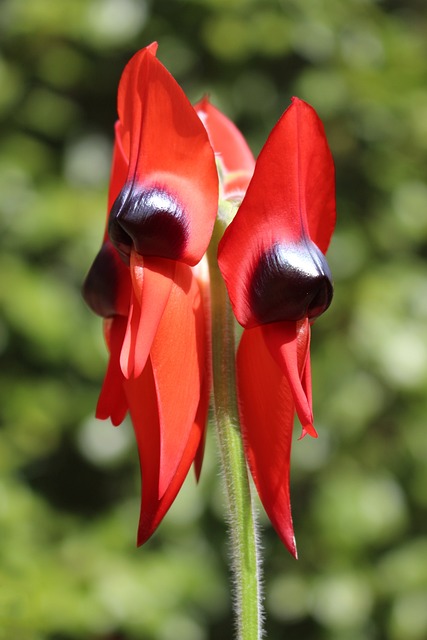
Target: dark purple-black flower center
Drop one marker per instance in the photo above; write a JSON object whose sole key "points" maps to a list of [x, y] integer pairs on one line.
{"points": [[100, 288], [291, 282], [151, 220]]}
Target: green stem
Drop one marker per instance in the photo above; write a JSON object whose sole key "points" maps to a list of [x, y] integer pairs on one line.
{"points": [[244, 551]]}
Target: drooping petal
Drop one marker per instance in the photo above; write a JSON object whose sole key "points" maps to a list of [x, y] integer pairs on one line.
{"points": [[165, 400], [283, 225], [147, 527], [178, 361], [289, 345], [267, 416], [230, 147], [167, 207], [112, 401], [151, 286], [145, 419]]}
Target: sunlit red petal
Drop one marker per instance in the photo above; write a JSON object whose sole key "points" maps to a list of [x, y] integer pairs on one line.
{"points": [[289, 345], [178, 361], [267, 416], [165, 400], [290, 199], [112, 401], [142, 401], [151, 287], [168, 147], [145, 419], [230, 146]]}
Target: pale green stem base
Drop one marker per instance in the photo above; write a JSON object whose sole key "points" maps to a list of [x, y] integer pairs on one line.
{"points": [[244, 551]]}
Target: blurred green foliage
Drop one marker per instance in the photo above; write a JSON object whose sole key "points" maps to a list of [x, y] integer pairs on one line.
{"points": [[69, 486]]}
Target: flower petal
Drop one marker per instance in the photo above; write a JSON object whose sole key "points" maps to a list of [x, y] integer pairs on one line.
{"points": [[289, 345], [171, 191], [112, 401], [152, 282], [289, 205], [145, 419], [230, 146], [267, 416], [167, 422], [178, 361]]}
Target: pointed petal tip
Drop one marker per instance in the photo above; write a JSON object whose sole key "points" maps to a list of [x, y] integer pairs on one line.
{"points": [[152, 48], [203, 103], [288, 539], [142, 536], [148, 524], [308, 429], [295, 100], [287, 536], [294, 550]]}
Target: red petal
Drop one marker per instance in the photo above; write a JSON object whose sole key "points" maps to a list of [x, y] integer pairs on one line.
{"points": [[289, 345], [230, 146], [178, 360], [291, 196], [164, 400], [267, 417], [141, 396], [168, 147], [152, 282], [145, 418], [112, 400]]}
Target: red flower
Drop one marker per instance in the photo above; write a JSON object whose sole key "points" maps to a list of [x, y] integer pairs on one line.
{"points": [[235, 159], [149, 284], [271, 258]]}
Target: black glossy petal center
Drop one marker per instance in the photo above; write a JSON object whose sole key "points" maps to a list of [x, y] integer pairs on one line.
{"points": [[150, 220], [291, 282], [100, 288]]}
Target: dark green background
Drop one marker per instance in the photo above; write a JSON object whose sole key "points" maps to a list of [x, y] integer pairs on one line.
{"points": [[69, 486]]}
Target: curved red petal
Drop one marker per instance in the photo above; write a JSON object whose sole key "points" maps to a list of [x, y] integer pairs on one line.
{"points": [[112, 401], [178, 361], [289, 345], [142, 402], [230, 146], [190, 451], [168, 147], [152, 282], [317, 174], [164, 401], [290, 197], [145, 419], [267, 416]]}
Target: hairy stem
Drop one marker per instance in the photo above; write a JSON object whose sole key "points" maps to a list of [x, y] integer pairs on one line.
{"points": [[242, 525]]}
